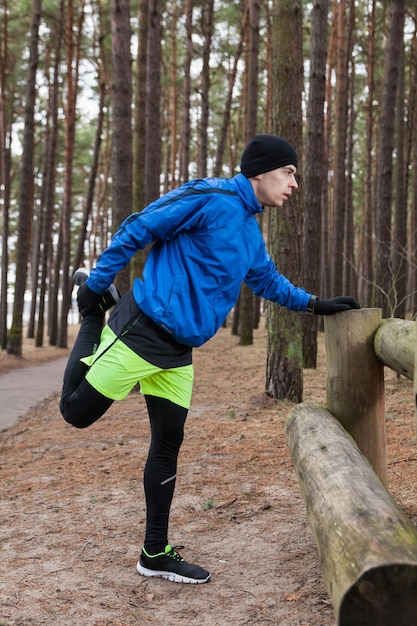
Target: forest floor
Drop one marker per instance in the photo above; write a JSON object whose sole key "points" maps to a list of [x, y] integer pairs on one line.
{"points": [[72, 505]]}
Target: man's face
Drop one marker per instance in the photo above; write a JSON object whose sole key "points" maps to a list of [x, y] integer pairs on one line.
{"points": [[275, 187]]}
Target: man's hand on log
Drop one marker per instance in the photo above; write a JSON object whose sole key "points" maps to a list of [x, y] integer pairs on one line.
{"points": [[335, 305]]}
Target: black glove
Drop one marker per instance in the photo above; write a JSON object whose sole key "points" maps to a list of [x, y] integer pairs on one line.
{"points": [[335, 305], [89, 302]]}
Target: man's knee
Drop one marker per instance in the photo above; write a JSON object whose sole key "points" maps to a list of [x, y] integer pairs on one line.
{"points": [[84, 406], [69, 415]]}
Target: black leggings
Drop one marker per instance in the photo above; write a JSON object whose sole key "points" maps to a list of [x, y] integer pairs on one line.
{"points": [[81, 405]]}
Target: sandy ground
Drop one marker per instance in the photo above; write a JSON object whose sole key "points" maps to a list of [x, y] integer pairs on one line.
{"points": [[72, 505]]}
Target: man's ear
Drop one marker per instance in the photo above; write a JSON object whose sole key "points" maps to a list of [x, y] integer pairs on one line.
{"points": [[255, 179]]}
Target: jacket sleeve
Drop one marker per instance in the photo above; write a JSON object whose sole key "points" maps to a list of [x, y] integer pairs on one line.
{"points": [[163, 219], [265, 280], [131, 237]]}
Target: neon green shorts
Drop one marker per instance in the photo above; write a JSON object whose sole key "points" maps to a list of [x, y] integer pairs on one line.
{"points": [[115, 369]]}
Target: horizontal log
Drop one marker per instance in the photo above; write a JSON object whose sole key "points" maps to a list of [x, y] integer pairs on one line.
{"points": [[395, 345], [367, 545]]}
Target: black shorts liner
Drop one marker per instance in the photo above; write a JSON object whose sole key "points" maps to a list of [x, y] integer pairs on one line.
{"points": [[144, 337]]}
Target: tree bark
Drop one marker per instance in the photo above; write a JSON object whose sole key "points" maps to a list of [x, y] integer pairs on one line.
{"points": [[328, 158], [284, 377], [339, 203], [172, 153], [49, 178], [137, 263], [349, 265], [207, 27], [14, 345], [140, 106], [366, 245], [314, 172], [385, 160], [186, 122], [73, 41], [5, 177], [247, 308], [399, 248], [122, 155], [411, 181], [153, 97]]}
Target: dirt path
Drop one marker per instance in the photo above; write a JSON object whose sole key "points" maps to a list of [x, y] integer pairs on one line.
{"points": [[72, 507], [23, 388]]}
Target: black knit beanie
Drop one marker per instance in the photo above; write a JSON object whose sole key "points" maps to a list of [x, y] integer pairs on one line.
{"points": [[265, 153]]}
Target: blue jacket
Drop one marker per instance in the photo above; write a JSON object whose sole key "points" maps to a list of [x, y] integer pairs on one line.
{"points": [[206, 241]]}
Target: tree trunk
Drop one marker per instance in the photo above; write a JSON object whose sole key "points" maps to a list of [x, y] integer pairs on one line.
{"points": [[339, 203], [5, 169], [349, 268], [140, 105], [314, 172], [53, 294], [207, 30], [253, 70], [186, 123], [284, 377], [122, 156], [326, 242], [385, 165], [35, 255], [412, 253], [137, 263], [153, 97], [73, 40], [366, 247], [14, 345], [48, 179], [5, 160], [399, 251], [247, 305], [172, 123]]}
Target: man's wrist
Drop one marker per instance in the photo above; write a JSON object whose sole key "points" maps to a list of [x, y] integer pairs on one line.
{"points": [[311, 303]]}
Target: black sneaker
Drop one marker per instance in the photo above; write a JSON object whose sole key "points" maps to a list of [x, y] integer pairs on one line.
{"points": [[108, 298], [170, 565]]}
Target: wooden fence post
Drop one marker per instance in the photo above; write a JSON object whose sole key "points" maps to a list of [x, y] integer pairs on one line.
{"points": [[355, 382]]}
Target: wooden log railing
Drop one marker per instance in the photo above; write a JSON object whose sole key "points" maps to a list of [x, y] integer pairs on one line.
{"points": [[367, 546], [395, 345]]}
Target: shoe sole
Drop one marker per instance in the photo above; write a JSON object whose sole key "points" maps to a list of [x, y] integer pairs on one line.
{"points": [[172, 576]]}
